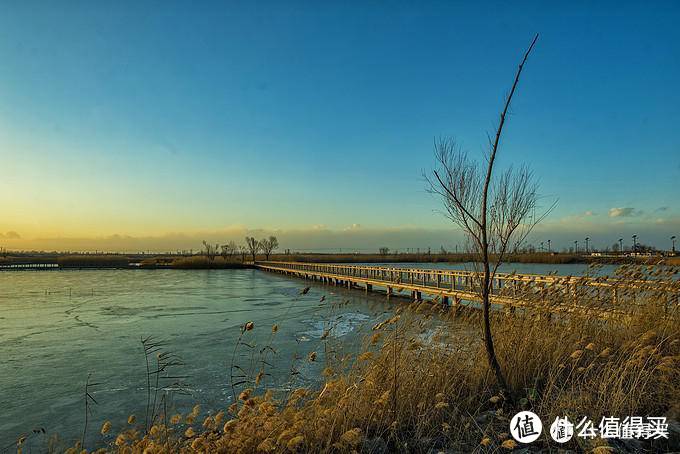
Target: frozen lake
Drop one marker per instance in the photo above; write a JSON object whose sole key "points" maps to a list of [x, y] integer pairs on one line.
{"points": [[58, 326]]}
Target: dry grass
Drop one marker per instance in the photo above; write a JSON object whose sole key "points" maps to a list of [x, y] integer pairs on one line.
{"points": [[415, 391], [673, 261], [93, 261], [203, 262], [424, 258], [537, 257]]}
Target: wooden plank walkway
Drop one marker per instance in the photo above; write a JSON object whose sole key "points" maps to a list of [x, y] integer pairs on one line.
{"points": [[451, 287]]}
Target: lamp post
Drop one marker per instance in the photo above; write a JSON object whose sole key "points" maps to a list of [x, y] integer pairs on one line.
{"points": [[541, 246], [587, 239], [549, 245], [621, 246], [576, 246], [634, 243], [673, 240]]}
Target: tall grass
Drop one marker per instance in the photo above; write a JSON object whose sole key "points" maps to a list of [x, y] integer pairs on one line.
{"points": [[422, 384]]}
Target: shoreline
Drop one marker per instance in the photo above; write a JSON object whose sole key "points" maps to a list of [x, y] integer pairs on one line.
{"points": [[163, 261]]}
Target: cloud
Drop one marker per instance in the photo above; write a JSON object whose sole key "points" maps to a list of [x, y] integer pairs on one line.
{"points": [[662, 209], [623, 212], [590, 213], [353, 227], [11, 235]]}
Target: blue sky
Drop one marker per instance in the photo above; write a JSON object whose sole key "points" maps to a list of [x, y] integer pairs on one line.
{"points": [[150, 120]]}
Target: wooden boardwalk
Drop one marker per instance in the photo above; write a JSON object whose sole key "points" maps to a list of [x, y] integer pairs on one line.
{"points": [[453, 287], [29, 266]]}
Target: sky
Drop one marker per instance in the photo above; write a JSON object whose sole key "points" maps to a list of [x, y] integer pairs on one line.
{"points": [[152, 125]]}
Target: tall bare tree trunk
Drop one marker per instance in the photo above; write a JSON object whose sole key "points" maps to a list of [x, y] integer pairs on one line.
{"points": [[486, 284], [488, 339], [465, 189]]}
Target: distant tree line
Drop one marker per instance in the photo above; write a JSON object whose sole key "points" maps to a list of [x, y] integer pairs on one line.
{"points": [[251, 247]]}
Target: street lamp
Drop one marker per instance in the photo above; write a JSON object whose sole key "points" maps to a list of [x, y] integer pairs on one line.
{"points": [[634, 243], [673, 240], [548, 245], [576, 246], [621, 246], [587, 239], [541, 246]]}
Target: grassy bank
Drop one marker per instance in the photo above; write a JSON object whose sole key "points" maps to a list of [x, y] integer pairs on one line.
{"points": [[415, 390], [548, 258], [203, 262], [93, 261]]}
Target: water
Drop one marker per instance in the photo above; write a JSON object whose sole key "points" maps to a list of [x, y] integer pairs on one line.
{"points": [[51, 341]]}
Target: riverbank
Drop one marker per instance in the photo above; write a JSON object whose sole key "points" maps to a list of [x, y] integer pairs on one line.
{"points": [[164, 261]]}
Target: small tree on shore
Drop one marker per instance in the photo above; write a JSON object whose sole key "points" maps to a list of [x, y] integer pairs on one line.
{"points": [[253, 246], [210, 250], [268, 245], [229, 249], [493, 211], [384, 250]]}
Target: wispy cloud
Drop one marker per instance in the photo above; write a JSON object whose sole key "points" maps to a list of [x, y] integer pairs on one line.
{"points": [[11, 235], [352, 227], [623, 212]]}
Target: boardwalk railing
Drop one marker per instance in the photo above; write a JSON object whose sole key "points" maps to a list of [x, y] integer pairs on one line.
{"points": [[560, 292], [28, 266]]}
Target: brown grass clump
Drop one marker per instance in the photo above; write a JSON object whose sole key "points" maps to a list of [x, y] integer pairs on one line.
{"points": [[405, 393], [203, 262]]}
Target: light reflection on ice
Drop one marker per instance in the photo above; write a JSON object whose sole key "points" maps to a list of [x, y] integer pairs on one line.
{"points": [[339, 326]]}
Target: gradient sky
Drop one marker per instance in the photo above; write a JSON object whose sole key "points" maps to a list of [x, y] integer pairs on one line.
{"points": [[150, 125]]}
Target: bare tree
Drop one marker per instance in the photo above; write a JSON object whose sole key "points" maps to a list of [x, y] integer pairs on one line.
{"points": [[243, 251], [493, 211], [268, 245], [228, 250], [210, 250], [384, 250], [253, 246]]}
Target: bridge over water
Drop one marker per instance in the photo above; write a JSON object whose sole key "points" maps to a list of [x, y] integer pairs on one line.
{"points": [[583, 294]]}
